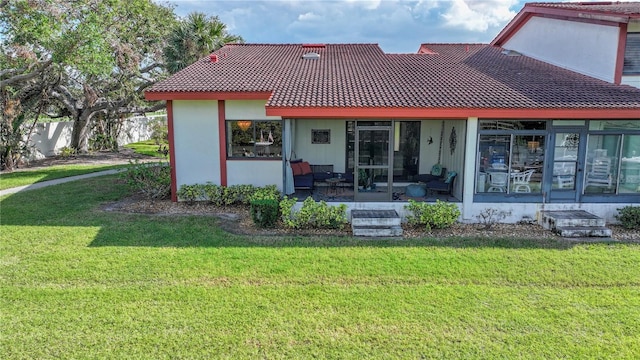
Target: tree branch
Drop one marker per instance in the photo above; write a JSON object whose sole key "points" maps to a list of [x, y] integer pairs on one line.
{"points": [[26, 77]]}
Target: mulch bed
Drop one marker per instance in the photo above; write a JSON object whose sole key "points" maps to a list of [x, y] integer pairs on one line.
{"points": [[237, 220]]}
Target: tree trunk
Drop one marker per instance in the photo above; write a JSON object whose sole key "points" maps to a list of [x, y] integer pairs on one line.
{"points": [[80, 133]]}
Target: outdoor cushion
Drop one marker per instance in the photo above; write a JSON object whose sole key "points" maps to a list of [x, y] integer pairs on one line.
{"points": [[297, 170], [450, 176], [436, 170], [425, 178], [305, 167]]}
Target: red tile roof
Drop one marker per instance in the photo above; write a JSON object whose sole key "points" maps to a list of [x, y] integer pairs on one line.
{"points": [[450, 76], [613, 7]]}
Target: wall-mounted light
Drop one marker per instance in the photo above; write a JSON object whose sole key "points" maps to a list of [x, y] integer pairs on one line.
{"points": [[430, 141], [244, 124]]}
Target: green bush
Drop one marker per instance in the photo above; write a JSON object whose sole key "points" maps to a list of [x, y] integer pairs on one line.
{"points": [[160, 132], [191, 193], [153, 180], [434, 216], [213, 193], [629, 217], [286, 211], [227, 195], [267, 192], [264, 212], [313, 214]]}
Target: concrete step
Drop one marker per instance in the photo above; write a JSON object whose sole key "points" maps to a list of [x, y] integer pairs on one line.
{"points": [[375, 218], [377, 231], [570, 218], [583, 231], [376, 223]]}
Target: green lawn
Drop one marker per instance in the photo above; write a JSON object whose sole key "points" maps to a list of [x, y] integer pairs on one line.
{"points": [[148, 147], [27, 177], [77, 282]]}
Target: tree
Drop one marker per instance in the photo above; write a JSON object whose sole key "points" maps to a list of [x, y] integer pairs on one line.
{"points": [[195, 37], [99, 56]]}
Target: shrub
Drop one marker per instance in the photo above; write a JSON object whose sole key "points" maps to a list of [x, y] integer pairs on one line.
{"points": [[434, 216], [66, 152], [286, 211], [159, 132], [227, 195], [313, 214], [191, 193], [153, 180], [490, 216], [264, 212], [237, 194], [629, 217], [267, 192], [214, 193]]}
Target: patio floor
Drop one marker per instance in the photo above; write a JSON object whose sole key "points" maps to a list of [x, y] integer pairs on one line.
{"points": [[346, 195]]}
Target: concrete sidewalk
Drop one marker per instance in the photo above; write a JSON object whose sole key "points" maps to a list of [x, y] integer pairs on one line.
{"points": [[58, 181]]}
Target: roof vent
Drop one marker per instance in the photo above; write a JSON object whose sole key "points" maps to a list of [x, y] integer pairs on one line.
{"points": [[311, 56], [508, 52]]}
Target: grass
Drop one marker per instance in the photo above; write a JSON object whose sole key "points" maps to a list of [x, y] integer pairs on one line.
{"points": [[148, 147], [78, 282], [27, 177]]}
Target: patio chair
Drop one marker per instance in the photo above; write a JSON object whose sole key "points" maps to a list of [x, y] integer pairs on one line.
{"points": [[600, 174], [520, 181], [564, 174], [442, 186], [498, 181], [437, 173]]}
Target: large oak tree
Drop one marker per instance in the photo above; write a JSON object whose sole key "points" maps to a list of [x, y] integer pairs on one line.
{"points": [[89, 57]]}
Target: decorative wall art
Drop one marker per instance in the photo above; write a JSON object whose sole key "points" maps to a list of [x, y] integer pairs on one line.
{"points": [[322, 136], [453, 140]]}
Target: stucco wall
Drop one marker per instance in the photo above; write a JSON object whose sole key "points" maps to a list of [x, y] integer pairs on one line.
{"points": [[48, 138], [246, 110], [429, 152], [195, 130], [590, 49], [321, 154], [257, 173]]}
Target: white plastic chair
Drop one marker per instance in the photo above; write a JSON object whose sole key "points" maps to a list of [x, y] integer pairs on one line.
{"points": [[600, 174], [498, 182], [520, 181]]}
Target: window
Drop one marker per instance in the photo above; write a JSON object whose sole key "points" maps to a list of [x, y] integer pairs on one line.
{"points": [[630, 165], [510, 157], [254, 139], [632, 55], [613, 158]]}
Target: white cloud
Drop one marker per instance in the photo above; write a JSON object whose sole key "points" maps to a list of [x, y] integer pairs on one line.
{"points": [[397, 25], [367, 4], [479, 15], [309, 16]]}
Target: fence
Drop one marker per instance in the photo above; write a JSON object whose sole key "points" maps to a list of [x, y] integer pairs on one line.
{"points": [[48, 138]]}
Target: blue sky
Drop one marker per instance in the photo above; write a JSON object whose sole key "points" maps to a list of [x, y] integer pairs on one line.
{"points": [[398, 26]]}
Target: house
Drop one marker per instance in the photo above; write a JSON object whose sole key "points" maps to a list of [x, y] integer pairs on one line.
{"points": [[521, 134], [599, 39]]}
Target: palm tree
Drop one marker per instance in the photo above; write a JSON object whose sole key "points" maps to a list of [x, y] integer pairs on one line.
{"points": [[195, 37]]}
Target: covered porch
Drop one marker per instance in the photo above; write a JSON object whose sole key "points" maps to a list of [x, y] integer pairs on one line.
{"points": [[373, 160]]}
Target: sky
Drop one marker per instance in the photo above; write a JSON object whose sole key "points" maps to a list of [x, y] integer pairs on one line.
{"points": [[398, 26]]}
